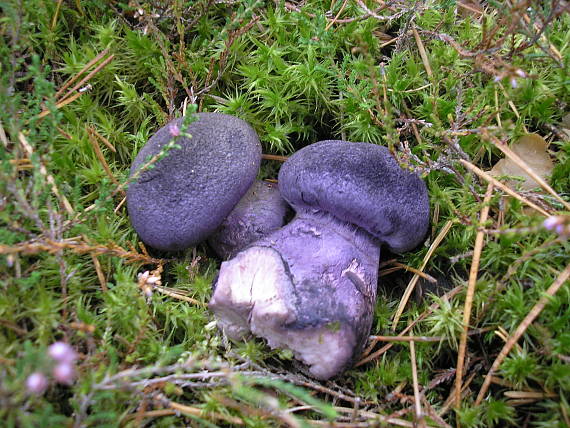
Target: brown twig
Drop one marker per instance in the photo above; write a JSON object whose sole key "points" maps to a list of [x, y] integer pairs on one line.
{"points": [[51, 246]]}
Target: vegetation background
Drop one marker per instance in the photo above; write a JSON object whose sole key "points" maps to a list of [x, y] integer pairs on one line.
{"points": [[447, 85]]}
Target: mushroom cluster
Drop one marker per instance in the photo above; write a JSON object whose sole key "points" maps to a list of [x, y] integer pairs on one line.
{"points": [[190, 194], [310, 285]]}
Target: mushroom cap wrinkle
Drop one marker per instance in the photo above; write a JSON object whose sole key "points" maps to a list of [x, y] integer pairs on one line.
{"points": [[188, 193], [362, 184]]}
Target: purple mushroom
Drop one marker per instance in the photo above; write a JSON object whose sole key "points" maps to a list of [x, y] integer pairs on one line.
{"points": [[260, 212], [311, 286], [189, 193]]}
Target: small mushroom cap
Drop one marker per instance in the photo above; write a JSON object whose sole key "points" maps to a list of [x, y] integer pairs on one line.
{"points": [[189, 193], [260, 212], [362, 184]]}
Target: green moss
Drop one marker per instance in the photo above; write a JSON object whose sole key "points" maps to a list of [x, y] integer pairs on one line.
{"points": [[296, 77]]}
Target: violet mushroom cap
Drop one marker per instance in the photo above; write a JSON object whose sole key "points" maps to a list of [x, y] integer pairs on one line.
{"points": [[260, 212], [311, 286], [189, 192]]}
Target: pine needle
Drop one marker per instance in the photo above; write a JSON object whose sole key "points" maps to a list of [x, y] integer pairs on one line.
{"points": [[479, 242]]}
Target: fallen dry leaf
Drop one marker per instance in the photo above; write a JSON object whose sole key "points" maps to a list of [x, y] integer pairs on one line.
{"points": [[533, 150]]}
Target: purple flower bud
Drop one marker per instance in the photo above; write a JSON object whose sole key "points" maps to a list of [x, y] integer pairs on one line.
{"points": [[551, 222], [64, 373], [62, 352], [560, 229], [174, 130], [514, 83], [36, 383]]}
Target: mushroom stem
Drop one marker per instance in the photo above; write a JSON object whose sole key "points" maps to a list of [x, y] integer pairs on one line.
{"points": [[260, 212], [309, 287]]}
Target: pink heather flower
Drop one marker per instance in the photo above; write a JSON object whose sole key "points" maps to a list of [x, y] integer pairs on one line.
{"points": [[551, 222], [36, 383], [64, 373], [62, 352], [174, 130]]}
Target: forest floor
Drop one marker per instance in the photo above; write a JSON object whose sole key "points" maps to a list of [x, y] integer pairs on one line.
{"points": [[470, 329]]}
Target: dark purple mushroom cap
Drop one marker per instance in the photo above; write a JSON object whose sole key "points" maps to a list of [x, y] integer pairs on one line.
{"points": [[260, 212], [362, 184], [189, 193]]}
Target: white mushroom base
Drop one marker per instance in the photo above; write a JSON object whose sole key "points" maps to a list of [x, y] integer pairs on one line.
{"points": [[254, 294]]}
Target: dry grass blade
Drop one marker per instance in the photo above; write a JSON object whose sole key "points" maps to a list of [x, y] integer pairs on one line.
{"points": [[96, 70], [367, 357], [470, 8], [523, 165], [479, 240], [101, 157], [194, 411], [399, 266], [60, 104], [407, 338], [417, 403], [99, 271], [56, 14], [72, 79], [416, 277], [370, 416], [450, 400], [105, 141], [331, 23], [535, 395], [423, 53], [176, 295], [528, 320], [503, 187], [275, 157]]}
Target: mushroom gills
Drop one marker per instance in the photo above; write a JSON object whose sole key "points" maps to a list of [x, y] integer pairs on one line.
{"points": [[309, 287]]}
